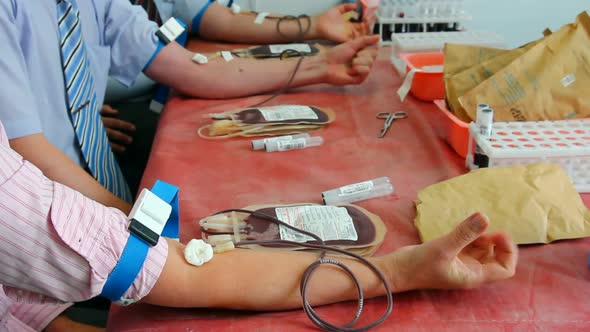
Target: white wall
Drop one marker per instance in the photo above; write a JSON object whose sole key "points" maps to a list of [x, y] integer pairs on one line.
{"points": [[521, 21], [292, 7]]}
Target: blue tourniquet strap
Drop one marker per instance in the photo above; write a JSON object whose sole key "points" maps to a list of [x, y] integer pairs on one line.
{"points": [[169, 194], [163, 91], [136, 249]]}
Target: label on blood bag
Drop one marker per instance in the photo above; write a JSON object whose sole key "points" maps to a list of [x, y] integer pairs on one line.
{"points": [[288, 112], [298, 143], [327, 222], [280, 48], [356, 188]]}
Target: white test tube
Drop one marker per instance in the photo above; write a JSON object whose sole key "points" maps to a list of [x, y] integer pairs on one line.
{"points": [[294, 144], [258, 144], [485, 120], [358, 191]]}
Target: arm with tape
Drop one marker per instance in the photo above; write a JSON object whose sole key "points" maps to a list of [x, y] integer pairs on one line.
{"points": [[215, 21], [348, 63], [448, 262]]}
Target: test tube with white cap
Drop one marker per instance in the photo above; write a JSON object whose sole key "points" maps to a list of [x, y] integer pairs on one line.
{"points": [[358, 191], [294, 144], [484, 121], [258, 144]]}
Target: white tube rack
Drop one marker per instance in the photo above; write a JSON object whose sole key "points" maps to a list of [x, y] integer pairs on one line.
{"points": [[565, 142]]}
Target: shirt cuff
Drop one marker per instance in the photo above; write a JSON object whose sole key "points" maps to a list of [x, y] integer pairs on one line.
{"points": [[159, 47]]}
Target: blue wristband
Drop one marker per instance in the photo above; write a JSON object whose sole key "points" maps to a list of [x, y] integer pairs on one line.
{"points": [[136, 249]]}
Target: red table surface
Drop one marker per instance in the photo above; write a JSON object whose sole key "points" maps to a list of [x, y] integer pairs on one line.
{"points": [[551, 288]]}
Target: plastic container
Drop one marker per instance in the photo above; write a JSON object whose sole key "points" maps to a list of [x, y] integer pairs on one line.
{"points": [[565, 142], [455, 131], [426, 86]]}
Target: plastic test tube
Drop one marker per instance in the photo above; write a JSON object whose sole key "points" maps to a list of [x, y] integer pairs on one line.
{"points": [[484, 121], [359, 191], [258, 144], [293, 144]]}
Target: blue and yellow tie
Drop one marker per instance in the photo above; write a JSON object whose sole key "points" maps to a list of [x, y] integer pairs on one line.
{"points": [[82, 102]]}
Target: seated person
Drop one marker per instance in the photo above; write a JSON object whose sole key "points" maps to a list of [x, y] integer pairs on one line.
{"points": [[212, 20], [69, 265]]}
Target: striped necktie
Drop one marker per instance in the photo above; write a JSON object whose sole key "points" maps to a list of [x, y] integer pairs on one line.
{"points": [[82, 102]]}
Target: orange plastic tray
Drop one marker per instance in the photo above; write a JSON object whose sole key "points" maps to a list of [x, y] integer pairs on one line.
{"points": [[455, 131], [425, 86]]}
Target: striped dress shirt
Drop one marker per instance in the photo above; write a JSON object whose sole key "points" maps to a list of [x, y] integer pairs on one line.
{"points": [[56, 246]]}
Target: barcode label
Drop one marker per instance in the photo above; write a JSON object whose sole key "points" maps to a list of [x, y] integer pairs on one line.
{"points": [[277, 139], [280, 48], [568, 80], [356, 188], [485, 130], [288, 112], [298, 143]]}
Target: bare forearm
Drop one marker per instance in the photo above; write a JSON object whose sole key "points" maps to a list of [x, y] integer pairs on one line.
{"points": [[257, 280], [58, 167], [240, 77], [220, 24]]}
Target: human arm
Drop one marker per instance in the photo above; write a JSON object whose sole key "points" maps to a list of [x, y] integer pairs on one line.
{"points": [[219, 23], [462, 259], [76, 265], [58, 167], [348, 63]]}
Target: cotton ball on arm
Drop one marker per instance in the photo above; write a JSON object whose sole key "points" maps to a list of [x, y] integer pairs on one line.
{"points": [[197, 252]]}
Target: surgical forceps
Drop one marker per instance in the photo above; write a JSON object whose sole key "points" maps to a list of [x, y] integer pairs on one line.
{"points": [[389, 117]]}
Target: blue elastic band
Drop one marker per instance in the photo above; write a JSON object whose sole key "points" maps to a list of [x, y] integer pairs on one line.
{"points": [[169, 194], [159, 47], [196, 23], [162, 91], [136, 250]]}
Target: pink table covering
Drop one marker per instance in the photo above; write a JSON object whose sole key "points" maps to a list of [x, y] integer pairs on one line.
{"points": [[551, 289]]}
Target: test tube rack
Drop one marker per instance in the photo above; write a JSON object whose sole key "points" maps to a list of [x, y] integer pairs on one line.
{"points": [[565, 142], [415, 42], [411, 16], [435, 41]]}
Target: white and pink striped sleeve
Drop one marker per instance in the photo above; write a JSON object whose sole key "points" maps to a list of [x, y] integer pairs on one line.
{"points": [[56, 243], [25, 317]]}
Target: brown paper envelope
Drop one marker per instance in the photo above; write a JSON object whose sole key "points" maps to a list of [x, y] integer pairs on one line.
{"points": [[535, 204]]}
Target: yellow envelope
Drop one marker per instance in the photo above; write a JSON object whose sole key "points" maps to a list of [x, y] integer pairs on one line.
{"points": [[534, 204]]}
